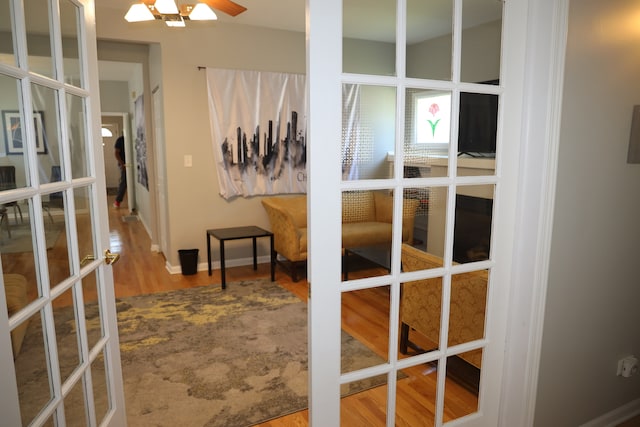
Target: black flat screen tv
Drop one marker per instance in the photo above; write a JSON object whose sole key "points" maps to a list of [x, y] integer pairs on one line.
{"points": [[478, 123]]}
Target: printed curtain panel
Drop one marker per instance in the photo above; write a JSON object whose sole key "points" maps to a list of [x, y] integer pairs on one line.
{"points": [[258, 125]]}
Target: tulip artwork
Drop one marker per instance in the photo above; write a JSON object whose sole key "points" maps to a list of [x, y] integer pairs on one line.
{"points": [[433, 109]]}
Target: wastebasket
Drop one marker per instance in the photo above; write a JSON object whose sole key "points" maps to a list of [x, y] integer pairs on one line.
{"points": [[188, 261]]}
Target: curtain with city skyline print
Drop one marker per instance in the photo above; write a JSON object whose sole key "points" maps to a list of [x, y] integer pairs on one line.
{"points": [[258, 126]]}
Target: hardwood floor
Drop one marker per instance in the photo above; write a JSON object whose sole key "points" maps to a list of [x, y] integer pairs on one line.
{"points": [[364, 316]]}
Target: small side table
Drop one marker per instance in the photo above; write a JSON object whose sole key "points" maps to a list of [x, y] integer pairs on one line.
{"points": [[236, 233]]}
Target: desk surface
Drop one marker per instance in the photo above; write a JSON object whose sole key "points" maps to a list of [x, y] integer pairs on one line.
{"points": [[233, 233]]}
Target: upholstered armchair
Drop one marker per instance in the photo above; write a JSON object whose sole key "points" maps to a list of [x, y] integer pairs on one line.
{"points": [[366, 220], [421, 304], [288, 218]]}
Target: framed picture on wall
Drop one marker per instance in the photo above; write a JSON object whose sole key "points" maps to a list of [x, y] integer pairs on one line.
{"points": [[13, 132]]}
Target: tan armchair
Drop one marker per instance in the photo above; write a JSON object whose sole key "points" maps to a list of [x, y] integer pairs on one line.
{"points": [[288, 218], [366, 220], [421, 301]]}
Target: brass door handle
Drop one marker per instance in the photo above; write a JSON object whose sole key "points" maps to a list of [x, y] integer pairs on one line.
{"points": [[110, 258], [86, 259]]}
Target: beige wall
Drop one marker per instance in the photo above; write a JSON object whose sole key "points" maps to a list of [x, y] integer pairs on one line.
{"points": [[592, 317], [194, 203]]}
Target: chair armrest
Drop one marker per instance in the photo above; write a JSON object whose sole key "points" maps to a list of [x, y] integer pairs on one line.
{"points": [[286, 234]]}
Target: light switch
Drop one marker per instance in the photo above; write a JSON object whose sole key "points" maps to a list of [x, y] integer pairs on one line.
{"points": [[188, 160]]}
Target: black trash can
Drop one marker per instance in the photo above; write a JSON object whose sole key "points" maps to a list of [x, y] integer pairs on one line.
{"points": [[188, 261]]}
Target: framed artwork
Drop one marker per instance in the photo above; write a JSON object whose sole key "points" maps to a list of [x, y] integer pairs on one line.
{"points": [[13, 135]]}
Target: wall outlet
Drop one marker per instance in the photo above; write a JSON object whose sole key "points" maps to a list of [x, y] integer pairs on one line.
{"points": [[627, 366]]}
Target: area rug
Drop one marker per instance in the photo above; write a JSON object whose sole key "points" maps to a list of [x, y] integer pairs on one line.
{"points": [[207, 357], [21, 237]]}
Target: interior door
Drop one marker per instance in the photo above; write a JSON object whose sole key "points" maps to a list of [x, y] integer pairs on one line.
{"points": [[58, 334], [428, 117]]}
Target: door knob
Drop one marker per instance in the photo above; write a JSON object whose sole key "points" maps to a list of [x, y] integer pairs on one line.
{"points": [[110, 258]]}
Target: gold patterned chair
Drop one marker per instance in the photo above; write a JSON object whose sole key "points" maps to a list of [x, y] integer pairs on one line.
{"points": [[421, 303], [366, 220]]}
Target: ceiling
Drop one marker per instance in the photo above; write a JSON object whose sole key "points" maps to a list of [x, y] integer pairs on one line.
{"points": [[278, 14], [366, 19]]}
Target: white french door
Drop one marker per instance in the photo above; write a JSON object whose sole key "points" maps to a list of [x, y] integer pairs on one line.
{"points": [[58, 334], [419, 109]]}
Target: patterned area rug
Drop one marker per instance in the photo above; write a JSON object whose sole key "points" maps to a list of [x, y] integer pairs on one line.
{"points": [[207, 357]]}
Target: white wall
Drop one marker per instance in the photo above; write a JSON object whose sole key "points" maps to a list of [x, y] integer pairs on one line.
{"points": [[592, 317]]}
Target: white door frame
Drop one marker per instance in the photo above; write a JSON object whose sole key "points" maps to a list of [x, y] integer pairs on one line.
{"points": [[545, 49]]}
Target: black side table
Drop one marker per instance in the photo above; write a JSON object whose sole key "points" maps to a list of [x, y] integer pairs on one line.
{"points": [[236, 233]]}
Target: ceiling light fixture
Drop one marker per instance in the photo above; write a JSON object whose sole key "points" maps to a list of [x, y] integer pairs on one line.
{"points": [[167, 11], [106, 133]]}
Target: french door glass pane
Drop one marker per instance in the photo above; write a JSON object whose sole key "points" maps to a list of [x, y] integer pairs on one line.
{"points": [[45, 107], [473, 218], [375, 402], [368, 131], [32, 371], [70, 38], [17, 250], [427, 132], [420, 310], [369, 49], [77, 129], [481, 40], [100, 387], [365, 328], [86, 243], [461, 388], [74, 406], [93, 318], [477, 133], [12, 138], [429, 39], [66, 334], [416, 396], [6, 40], [38, 37], [58, 257]]}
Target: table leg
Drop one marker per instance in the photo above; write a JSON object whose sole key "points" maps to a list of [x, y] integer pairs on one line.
{"points": [[224, 282], [273, 259], [209, 252], [255, 254]]}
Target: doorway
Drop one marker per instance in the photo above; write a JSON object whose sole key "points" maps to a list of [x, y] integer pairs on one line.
{"points": [[117, 124]]}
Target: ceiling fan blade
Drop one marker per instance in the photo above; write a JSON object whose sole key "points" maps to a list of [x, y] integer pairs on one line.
{"points": [[226, 6]]}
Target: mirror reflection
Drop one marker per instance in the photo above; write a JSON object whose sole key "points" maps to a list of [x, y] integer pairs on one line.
{"points": [[369, 44], [368, 131], [32, 369]]}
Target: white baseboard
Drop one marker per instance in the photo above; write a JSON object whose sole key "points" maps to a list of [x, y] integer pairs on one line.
{"points": [[617, 416], [155, 248], [215, 265]]}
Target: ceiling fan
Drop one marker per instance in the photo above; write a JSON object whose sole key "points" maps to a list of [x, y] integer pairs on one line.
{"points": [[175, 15]]}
